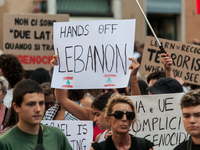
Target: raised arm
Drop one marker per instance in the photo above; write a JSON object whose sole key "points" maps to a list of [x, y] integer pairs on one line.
{"points": [[167, 62], [135, 90], [82, 113]]}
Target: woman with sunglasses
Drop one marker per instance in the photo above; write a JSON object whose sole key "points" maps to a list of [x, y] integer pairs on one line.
{"points": [[120, 114]]}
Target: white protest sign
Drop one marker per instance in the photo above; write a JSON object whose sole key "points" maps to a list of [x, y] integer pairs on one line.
{"points": [[93, 54], [159, 119], [78, 133]]}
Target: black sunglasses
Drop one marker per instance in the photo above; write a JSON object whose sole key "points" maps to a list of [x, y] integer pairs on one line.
{"points": [[118, 114]]}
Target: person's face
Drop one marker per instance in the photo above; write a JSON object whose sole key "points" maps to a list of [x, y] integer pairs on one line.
{"points": [[32, 109], [120, 126], [2, 94], [49, 101], [191, 120], [99, 118]]}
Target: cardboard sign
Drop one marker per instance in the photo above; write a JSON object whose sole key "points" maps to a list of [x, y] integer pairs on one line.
{"points": [[185, 58], [30, 37], [159, 119], [93, 54], [78, 133]]}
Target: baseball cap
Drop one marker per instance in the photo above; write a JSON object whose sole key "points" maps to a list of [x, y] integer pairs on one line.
{"points": [[165, 85]]}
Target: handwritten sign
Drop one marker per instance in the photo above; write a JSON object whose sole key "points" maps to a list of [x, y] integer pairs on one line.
{"points": [[30, 37], [159, 119], [93, 54], [185, 58], [78, 133]]}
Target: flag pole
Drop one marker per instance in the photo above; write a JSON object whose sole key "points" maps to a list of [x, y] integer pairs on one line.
{"points": [[160, 45]]}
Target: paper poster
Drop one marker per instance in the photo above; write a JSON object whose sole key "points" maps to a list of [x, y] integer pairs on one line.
{"points": [[185, 59], [159, 119], [78, 133], [30, 37], [93, 54]]}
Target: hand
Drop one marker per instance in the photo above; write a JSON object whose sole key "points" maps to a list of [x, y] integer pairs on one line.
{"points": [[54, 61], [108, 133], [167, 61], [134, 67]]}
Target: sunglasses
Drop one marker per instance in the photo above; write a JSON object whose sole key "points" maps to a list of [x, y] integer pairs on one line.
{"points": [[118, 114]]}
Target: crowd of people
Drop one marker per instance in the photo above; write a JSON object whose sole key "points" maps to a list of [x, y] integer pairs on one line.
{"points": [[26, 98]]}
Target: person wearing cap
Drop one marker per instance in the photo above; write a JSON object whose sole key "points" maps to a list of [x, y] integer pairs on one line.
{"points": [[165, 85]]}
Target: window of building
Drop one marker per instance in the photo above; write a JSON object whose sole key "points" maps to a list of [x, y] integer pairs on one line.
{"points": [[163, 25], [101, 8]]}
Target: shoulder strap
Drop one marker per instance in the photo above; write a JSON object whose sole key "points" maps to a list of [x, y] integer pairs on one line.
{"points": [[40, 136], [141, 143], [40, 140]]}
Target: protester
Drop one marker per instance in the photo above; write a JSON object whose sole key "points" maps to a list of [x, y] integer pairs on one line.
{"points": [[12, 120], [164, 86], [190, 105], [40, 75], [58, 112], [3, 108], [48, 94], [120, 114], [12, 70], [154, 76], [28, 102]]}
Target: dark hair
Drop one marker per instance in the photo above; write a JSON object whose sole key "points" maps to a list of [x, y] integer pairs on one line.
{"points": [[101, 101], [4, 89], [143, 87], [23, 87], [155, 75], [47, 89], [12, 69], [122, 90], [13, 118], [191, 98], [40, 75], [76, 95]]}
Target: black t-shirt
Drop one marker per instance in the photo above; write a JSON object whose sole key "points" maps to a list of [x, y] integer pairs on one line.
{"points": [[109, 145], [183, 146]]}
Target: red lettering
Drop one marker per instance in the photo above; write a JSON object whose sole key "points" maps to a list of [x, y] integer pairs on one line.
{"points": [[38, 59], [32, 59], [26, 59], [43, 61]]}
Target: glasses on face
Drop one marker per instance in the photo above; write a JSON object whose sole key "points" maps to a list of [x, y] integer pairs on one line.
{"points": [[118, 114]]}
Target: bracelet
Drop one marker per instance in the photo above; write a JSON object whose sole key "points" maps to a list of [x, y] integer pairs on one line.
{"points": [[134, 81]]}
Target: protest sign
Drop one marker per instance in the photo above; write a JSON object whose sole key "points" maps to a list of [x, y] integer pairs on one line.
{"points": [[30, 37], [185, 59], [78, 133], [93, 54], [159, 119]]}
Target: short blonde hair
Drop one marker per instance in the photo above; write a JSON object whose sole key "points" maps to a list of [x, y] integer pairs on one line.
{"points": [[115, 99]]}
